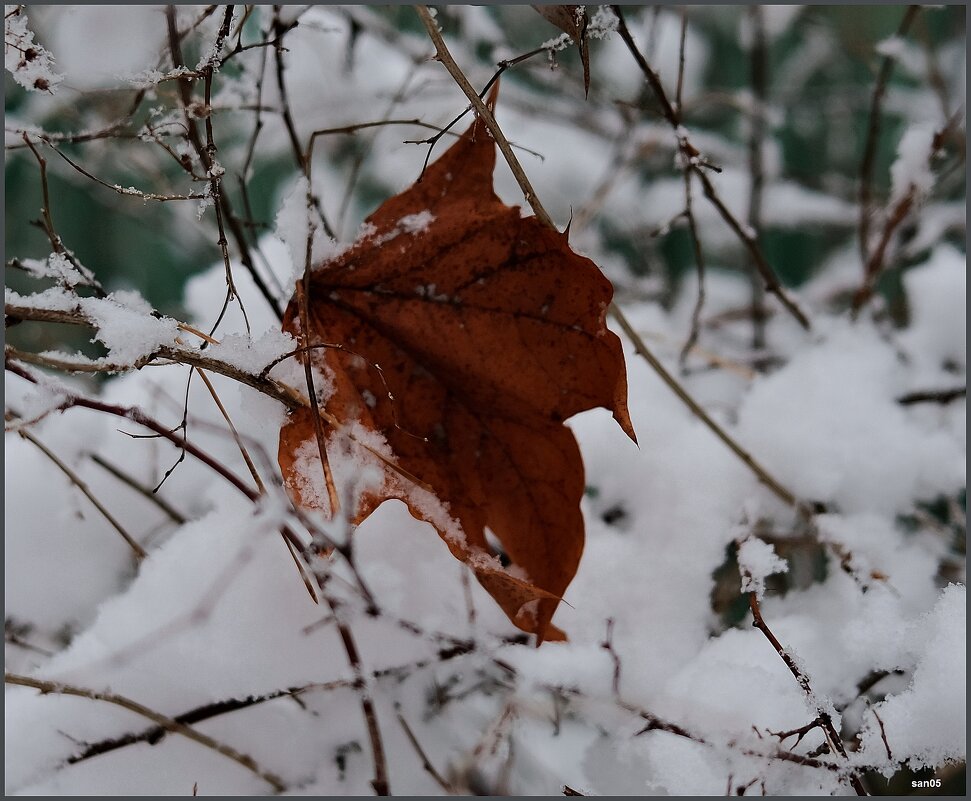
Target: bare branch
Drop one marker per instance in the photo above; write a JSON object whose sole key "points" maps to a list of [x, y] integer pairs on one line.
{"points": [[165, 722], [82, 485], [873, 134], [824, 718]]}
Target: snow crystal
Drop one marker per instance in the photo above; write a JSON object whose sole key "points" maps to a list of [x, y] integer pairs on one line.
{"points": [[602, 23], [757, 560], [561, 42], [57, 266], [416, 223], [31, 65]]}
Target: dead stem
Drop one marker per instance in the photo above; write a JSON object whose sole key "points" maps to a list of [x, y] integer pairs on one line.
{"points": [[165, 722]]}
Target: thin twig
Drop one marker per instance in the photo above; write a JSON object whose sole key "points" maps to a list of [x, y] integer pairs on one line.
{"points": [[751, 244], [681, 46], [692, 339], [206, 712], [873, 134], [360, 126], [82, 485], [760, 472], [48, 223], [206, 153], [175, 353], [380, 780], [136, 415], [145, 491], [692, 161], [303, 293], [260, 486], [167, 723], [825, 719], [941, 396], [127, 191], [485, 114], [883, 734], [302, 162], [426, 763], [759, 67]]}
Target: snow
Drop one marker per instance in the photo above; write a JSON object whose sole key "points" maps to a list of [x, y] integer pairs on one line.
{"points": [[57, 266], [253, 355], [928, 720], [126, 326], [911, 172], [845, 386], [416, 223], [31, 64], [657, 619], [758, 560]]}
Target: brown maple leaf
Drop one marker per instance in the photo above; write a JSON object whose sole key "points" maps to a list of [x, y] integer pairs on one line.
{"points": [[469, 335]]}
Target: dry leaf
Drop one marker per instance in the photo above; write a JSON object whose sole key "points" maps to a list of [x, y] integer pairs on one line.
{"points": [[489, 333]]}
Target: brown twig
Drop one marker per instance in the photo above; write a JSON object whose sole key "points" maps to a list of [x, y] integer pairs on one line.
{"points": [[127, 191], [873, 134], [426, 763], [759, 59], [608, 646], [136, 415], [82, 485], [940, 396], [692, 162], [303, 293], [679, 89], [163, 721], [260, 486], [181, 354], [206, 151], [48, 224], [692, 339], [760, 472], [303, 163], [145, 491], [380, 781], [485, 114], [824, 719], [883, 734], [206, 712]]}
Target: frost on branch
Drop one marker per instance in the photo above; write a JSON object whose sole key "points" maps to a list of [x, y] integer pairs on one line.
{"points": [[757, 560], [31, 65]]}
